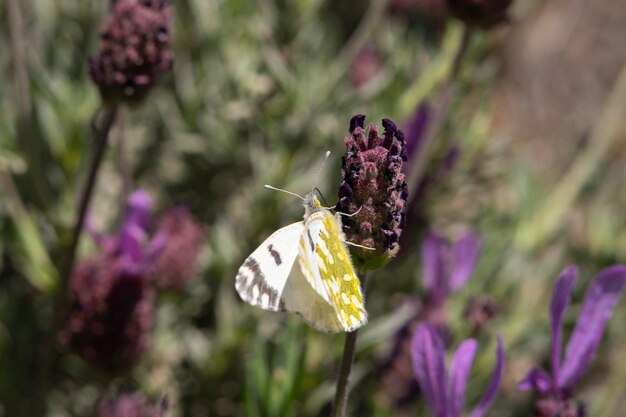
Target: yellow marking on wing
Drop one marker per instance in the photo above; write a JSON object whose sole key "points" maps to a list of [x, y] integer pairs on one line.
{"points": [[306, 267], [338, 275]]}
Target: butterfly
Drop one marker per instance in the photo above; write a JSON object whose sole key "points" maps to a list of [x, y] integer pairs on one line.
{"points": [[322, 287]]}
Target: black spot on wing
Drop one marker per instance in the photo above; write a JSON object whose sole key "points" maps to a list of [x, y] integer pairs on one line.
{"points": [[274, 254], [258, 280], [308, 233]]}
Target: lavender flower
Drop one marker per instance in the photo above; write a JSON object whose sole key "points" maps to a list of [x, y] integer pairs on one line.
{"points": [[170, 254], [374, 190], [134, 50], [555, 391], [480, 13], [366, 65], [112, 307], [177, 262], [130, 404], [112, 310], [447, 267], [444, 391]]}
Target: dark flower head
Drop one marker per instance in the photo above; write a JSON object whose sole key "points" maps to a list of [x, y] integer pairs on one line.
{"points": [[555, 391], [443, 390], [130, 404], [177, 261], [111, 313], [480, 13], [373, 191], [134, 50]]}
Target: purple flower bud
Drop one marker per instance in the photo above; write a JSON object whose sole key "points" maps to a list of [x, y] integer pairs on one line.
{"points": [[177, 262], [130, 404], [110, 315], [134, 50], [373, 187], [480, 13]]}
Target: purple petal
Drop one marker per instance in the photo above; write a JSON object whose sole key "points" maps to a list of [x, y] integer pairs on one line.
{"points": [[139, 209], [434, 249], [133, 241], [537, 380], [466, 251], [491, 391], [459, 374], [600, 298], [427, 354], [560, 300], [415, 130]]}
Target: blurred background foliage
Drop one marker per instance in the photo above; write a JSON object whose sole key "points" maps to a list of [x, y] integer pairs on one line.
{"points": [[259, 90]]}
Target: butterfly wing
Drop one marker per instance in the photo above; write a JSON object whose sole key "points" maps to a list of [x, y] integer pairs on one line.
{"points": [[325, 263], [261, 279], [300, 298]]}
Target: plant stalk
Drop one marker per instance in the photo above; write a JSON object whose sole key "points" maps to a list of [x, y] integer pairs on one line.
{"points": [[343, 379], [101, 143]]}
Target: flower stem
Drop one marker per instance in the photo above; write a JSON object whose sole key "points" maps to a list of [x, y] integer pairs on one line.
{"points": [[341, 392], [343, 379], [67, 267]]}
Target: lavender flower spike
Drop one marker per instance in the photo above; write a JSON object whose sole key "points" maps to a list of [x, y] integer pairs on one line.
{"points": [[445, 392], [375, 190], [555, 390], [448, 267]]}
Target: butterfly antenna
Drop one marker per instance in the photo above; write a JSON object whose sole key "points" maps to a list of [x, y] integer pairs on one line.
{"points": [[284, 191], [321, 195], [319, 171]]}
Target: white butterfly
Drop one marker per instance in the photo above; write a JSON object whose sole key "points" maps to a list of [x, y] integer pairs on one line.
{"points": [[323, 288]]}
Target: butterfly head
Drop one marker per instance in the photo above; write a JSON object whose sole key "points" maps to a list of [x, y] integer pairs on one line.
{"points": [[311, 204]]}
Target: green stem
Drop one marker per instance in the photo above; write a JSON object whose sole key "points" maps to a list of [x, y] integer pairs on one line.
{"points": [[341, 392], [67, 267], [343, 379], [102, 138]]}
